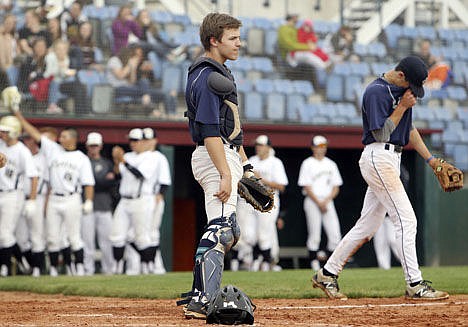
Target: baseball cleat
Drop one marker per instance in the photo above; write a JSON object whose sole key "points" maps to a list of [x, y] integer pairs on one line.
{"points": [[329, 285], [424, 291], [195, 310]]}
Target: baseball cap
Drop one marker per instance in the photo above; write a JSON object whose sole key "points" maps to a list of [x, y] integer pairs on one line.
{"points": [[291, 16], [94, 138], [262, 140], [135, 134], [319, 140], [149, 133], [415, 73]]}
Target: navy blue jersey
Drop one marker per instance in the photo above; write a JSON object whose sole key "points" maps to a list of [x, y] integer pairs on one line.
{"points": [[201, 100], [379, 100]]}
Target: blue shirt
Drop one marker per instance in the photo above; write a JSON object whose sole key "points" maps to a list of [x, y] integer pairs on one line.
{"points": [[206, 104], [379, 101]]}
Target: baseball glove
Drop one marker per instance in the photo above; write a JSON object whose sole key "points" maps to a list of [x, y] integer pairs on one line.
{"points": [[450, 177], [255, 193]]}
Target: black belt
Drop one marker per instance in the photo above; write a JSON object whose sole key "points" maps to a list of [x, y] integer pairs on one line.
{"points": [[396, 148], [63, 194], [129, 197], [231, 146]]}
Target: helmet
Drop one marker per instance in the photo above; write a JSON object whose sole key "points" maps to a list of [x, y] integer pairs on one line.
{"points": [[12, 125], [230, 306]]}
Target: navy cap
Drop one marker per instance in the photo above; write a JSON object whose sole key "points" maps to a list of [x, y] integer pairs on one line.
{"points": [[415, 71]]}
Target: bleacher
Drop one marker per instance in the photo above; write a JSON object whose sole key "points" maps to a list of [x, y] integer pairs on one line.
{"points": [[269, 93]]}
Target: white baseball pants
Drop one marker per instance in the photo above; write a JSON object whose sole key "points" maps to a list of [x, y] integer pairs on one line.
{"points": [[380, 168], [11, 204]]}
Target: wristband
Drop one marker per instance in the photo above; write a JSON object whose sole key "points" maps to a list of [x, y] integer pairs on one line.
{"points": [[429, 159]]}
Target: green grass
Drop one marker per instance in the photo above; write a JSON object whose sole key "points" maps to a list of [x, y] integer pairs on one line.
{"points": [[355, 283]]}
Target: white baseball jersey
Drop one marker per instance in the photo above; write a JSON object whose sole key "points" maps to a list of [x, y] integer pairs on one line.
{"points": [[68, 170], [43, 175], [20, 162], [270, 169], [163, 172], [320, 175], [130, 185]]}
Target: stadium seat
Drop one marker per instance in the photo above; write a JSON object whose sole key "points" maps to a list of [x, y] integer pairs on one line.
{"points": [[271, 37], [456, 93], [244, 85], [455, 125], [253, 103], [392, 33], [283, 86], [462, 114], [275, 106], [171, 78], [451, 136], [443, 114], [12, 73], [262, 64], [295, 104], [351, 82], [303, 87], [264, 86], [334, 88], [460, 156]]}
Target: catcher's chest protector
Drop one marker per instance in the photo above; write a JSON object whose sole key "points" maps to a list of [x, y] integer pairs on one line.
{"points": [[230, 306]]}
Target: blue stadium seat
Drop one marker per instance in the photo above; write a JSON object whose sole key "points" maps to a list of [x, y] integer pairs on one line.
{"points": [[90, 78], [334, 88], [309, 111], [426, 32], [271, 37], [351, 82], [275, 106], [424, 113], [253, 103], [393, 32], [456, 93], [244, 85], [285, 86], [303, 87], [295, 104], [262, 64], [377, 49], [443, 114], [437, 124], [455, 125], [171, 78], [450, 135], [343, 68], [264, 86], [462, 114], [460, 156]]}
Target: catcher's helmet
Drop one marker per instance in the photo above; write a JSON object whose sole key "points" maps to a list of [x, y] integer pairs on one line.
{"points": [[12, 125], [230, 306]]}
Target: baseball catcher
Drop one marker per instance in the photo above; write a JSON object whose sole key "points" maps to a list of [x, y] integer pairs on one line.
{"points": [[450, 177], [230, 306], [254, 192]]}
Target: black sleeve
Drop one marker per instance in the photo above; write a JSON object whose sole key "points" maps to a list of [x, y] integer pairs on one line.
{"points": [[134, 171], [163, 189]]}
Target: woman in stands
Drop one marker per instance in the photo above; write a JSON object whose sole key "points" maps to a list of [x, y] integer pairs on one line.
{"points": [[125, 29], [83, 51], [33, 67], [306, 34], [128, 72], [8, 39]]}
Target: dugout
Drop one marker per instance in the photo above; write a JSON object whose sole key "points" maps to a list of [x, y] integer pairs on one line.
{"points": [[441, 216]]}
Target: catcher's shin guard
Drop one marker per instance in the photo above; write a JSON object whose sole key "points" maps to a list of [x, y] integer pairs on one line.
{"points": [[220, 235]]}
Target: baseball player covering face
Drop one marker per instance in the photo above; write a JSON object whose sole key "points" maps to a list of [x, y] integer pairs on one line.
{"points": [[30, 230], [161, 181], [69, 172], [387, 123], [217, 160], [320, 180], [20, 163], [259, 228], [98, 223], [135, 208]]}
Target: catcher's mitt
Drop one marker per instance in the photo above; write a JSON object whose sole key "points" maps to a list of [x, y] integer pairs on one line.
{"points": [[450, 177], [255, 193]]}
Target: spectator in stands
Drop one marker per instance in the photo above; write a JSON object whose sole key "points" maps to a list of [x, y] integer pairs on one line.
{"points": [[438, 71], [32, 69], [32, 31], [123, 72], [8, 41], [293, 51], [125, 29], [342, 45], [71, 21], [83, 51], [64, 83], [53, 27], [152, 41], [306, 34]]}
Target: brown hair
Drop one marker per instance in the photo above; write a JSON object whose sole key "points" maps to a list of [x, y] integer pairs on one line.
{"points": [[213, 25], [49, 129]]}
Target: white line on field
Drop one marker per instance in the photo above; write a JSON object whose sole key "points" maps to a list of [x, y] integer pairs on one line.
{"points": [[425, 304]]}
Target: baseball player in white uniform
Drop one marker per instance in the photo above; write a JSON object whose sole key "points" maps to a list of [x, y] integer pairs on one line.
{"points": [[260, 228], [132, 217], [161, 181], [97, 225], [20, 163], [69, 172], [320, 180], [30, 229]]}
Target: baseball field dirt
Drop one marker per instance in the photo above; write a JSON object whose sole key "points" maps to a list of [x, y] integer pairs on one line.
{"points": [[28, 309]]}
